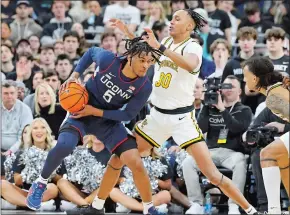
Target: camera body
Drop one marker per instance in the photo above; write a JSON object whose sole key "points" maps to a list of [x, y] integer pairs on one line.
{"points": [[261, 136], [212, 86]]}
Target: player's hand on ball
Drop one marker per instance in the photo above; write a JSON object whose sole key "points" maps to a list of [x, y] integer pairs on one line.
{"points": [[66, 83], [88, 110]]}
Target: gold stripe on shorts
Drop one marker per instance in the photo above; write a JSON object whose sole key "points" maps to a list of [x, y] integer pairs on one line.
{"points": [[195, 140], [146, 137]]}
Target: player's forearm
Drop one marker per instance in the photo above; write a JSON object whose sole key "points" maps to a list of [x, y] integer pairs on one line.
{"points": [[181, 61]]}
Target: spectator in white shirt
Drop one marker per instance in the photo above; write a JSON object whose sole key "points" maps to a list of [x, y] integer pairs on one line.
{"points": [[129, 14]]}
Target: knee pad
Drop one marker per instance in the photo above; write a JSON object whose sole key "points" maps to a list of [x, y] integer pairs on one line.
{"points": [[67, 141]]}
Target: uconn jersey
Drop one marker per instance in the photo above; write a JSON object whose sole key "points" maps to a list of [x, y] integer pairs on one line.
{"points": [[108, 88]]}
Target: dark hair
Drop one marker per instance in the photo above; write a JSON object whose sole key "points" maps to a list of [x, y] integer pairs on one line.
{"points": [[38, 71], [50, 73], [28, 57], [108, 34], [198, 19], [275, 32], [251, 8], [218, 41], [45, 48], [247, 32], [233, 77], [9, 83], [196, 36], [71, 34], [9, 47], [62, 57], [263, 68], [176, 1], [158, 26], [136, 47]]}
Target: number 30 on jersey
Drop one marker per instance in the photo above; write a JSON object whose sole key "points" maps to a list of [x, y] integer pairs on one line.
{"points": [[164, 80]]}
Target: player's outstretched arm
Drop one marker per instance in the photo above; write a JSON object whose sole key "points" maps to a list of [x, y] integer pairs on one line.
{"points": [[188, 62], [121, 25]]}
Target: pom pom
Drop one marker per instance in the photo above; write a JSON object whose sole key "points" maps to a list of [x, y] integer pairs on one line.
{"points": [[33, 158], [8, 164], [155, 170], [180, 156], [83, 168]]}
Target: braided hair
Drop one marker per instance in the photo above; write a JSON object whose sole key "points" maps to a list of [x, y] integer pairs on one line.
{"points": [[199, 20], [136, 46]]}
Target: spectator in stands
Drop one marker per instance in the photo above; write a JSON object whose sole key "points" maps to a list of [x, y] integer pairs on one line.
{"points": [[207, 66], [15, 115], [109, 42], [247, 38], [5, 32], [20, 90], [23, 47], [129, 14], [155, 13], [177, 5], [57, 26], [7, 10], [50, 77], [24, 71], [47, 58], [275, 41], [37, 79], [121, 47], [58, 48], [80, 11], [23, 26], [219, 22], [95, 21], [160, 29], [13, 195], [198, 96], [71, 42], [46, 107], [83, 45], [220, 50], [73, 193], [143, 7], [35, 45], [253, 19], [235, 17], [7, 65], [224, 123], [63, 67], [265, 118]]}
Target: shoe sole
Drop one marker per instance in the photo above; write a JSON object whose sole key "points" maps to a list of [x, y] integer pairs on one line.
{"points": [[29, 205]]}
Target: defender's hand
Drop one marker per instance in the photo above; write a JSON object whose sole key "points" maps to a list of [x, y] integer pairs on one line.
{"points": [[118, 24], [151, 39]]}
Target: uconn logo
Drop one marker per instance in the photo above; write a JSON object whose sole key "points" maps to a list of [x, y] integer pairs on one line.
{"points": [[113, 89]]}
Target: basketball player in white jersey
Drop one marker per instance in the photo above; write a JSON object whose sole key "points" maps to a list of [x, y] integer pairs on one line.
{"points": [[260, 76], [172, 97]]}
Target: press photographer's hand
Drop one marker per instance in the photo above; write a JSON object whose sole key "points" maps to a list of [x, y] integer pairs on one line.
{"points": [[220, 105]]}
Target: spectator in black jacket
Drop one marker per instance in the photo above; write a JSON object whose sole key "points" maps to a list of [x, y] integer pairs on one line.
{"points": [[247, 38], [267, 118], [224, 124]]}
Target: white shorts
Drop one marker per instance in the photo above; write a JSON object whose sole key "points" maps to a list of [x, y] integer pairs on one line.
{"points": [[159, 127], [285, 140]]}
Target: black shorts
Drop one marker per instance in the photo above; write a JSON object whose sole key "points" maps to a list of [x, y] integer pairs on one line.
{"points": [[130, 143]]}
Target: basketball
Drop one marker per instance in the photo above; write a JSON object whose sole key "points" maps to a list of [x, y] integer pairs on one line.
{"points": [[74, 97]]}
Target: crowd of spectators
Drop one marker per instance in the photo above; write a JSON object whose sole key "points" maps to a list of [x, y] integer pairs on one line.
{"points": [[42, 42]]}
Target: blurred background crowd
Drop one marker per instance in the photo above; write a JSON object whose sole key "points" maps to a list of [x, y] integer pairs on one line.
{"points": [[42, 42]]}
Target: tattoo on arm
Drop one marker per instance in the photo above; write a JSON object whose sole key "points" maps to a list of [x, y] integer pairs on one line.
{"points": [[278, 105]]}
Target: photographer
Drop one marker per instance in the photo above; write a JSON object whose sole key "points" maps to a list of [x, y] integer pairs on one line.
{"points": [[268, 119], [224, 123]]}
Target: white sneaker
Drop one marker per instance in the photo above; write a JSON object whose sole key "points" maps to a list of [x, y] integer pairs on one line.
{"points": [[122, 209], [234, 209], [162, 208], [195, 209], [175, 209], [5, 205], [48, 206], [66, 205]]}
